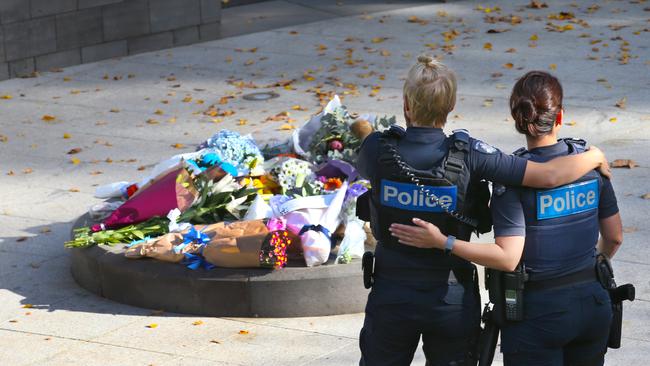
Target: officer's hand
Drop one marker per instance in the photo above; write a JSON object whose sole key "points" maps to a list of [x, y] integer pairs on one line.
{"points": [[423, 235], [604, 168]]}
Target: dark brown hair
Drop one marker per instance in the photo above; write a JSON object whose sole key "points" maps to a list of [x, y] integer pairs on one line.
{"points": [[535, 101]]}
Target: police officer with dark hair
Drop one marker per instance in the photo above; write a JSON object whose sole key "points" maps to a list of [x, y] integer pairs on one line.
{"points": [[555, 312]]}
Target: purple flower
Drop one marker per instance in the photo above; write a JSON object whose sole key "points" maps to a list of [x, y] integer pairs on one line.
{"points": [[354, 191]]}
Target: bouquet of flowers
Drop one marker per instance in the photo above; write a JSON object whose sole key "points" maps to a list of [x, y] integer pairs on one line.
{"points": [[340, 135], [231, 147], [223, 200]]}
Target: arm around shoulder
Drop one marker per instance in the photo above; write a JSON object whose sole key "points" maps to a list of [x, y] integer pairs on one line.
{"points": [[565, 169]]}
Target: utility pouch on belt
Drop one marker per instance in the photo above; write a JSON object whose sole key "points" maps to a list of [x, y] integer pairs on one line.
{"points": [[368, 266], [617, 295]]}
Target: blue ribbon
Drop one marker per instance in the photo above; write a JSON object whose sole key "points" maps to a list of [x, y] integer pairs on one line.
{"points": [[195, 164], [196, 261], [317, 228], [192, 236], [146, 238], [211, 159]]}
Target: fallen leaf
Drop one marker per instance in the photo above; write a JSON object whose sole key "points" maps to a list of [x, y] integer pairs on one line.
{"points": [[623, 163], [414, 19], [622, 103], [11, 172], [45, 230], [187, 99], [152, 325], [76, 150], [242, 121], [73, 190], [96, 172], [178, 146], [534, 4], [48, 118], [27, 306], [571, 123], [28, 171], [552, 66], [249, 62], [534, 37], [21, 239], [286, 127], [4, 138], [66, 135], [114, 110], [511, 50], [646, 196], [13, 321], [6, 97], [75, 161], [508, 65], [497, 74], [297, 107], [152, 121], [487, 46], [613, 119], [198, 322], [215, 341], [172, 120], [159, 112], [378, 39], [385, 53], [243, 332], [142, 167]]}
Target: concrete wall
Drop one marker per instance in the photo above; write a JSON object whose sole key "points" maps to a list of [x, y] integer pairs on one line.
{"points": [[48, 34]]}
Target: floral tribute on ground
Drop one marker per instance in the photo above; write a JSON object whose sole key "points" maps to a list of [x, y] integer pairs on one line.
{"points": [[231, 204]]}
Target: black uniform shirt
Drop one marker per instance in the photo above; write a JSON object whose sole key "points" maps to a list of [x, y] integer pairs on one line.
{"points": [[424, 148]]}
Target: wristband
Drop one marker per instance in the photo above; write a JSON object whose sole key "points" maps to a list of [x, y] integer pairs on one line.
{"points": [[449, 244]]}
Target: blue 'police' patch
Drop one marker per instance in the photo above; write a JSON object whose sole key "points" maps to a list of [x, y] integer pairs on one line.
{"points": [[567, 200], [408, 196]]}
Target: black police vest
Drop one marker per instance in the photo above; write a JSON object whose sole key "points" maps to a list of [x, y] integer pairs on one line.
{"points": [[562, 224], [396, 197]]}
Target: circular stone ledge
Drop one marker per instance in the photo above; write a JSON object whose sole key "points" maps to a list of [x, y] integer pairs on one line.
{"points": [[148, 283]]}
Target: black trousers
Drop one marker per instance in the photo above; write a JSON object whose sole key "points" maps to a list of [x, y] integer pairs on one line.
{"points": [[447, 316]]}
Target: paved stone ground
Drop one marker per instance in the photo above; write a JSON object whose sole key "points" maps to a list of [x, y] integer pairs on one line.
{"points": [[125, 115]]}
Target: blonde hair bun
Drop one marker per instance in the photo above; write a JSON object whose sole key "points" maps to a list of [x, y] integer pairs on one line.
{"points": [[427, 60]]}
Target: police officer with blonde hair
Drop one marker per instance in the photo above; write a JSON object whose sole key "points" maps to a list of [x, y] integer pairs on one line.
{"points": [[421, 172], [554, 308]]}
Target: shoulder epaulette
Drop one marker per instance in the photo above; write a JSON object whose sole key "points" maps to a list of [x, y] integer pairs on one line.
{"points": [[394, 132], [576, 145], [460, 139], [520, 151]]}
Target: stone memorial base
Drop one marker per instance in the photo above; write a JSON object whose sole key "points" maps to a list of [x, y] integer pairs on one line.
{"points": [[290, 292]]}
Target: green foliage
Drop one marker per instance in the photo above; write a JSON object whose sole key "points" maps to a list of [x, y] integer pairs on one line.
{"points": [[210, 208]]}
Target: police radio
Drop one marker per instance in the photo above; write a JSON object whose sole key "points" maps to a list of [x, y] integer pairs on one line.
{"points": [[513, 289]]}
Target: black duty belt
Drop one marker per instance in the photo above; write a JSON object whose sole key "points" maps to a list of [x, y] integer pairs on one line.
{"points": [[585, 275]]}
